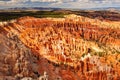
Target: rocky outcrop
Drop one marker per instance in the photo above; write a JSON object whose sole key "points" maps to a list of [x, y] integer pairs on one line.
{"points": [[70, 48], [16, 59]]}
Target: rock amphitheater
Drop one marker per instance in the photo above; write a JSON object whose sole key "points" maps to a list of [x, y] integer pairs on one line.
{"points": [[69, 48]]}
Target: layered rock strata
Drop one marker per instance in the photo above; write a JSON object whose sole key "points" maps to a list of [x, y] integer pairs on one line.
{"points": [[71, 48]]}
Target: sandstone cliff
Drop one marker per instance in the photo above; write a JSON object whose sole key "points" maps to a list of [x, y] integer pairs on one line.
{"points": [[71, 48]]}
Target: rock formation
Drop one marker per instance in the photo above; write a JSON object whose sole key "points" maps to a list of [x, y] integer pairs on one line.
{"points": [[70, 48]]}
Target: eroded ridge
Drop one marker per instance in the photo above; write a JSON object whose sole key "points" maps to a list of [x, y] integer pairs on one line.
{"points": [[86, 49]]}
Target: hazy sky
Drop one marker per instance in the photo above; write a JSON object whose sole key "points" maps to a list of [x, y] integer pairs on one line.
{"points": [[60, 3]]}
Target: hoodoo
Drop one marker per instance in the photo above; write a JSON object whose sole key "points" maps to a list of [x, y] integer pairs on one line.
{"points": [[70, 48]]}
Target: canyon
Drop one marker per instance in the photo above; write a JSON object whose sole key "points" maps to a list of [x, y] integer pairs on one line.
{"points": [[69, 48]]}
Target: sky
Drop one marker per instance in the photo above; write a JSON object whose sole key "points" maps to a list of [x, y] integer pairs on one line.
{"points": [[76, 4]]}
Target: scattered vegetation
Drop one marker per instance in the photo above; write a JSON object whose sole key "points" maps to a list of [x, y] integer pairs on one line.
{"points": [[5, 16], [60, 13]]}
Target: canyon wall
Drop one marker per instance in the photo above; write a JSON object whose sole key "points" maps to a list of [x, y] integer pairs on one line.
{"points": [[70, 48]]}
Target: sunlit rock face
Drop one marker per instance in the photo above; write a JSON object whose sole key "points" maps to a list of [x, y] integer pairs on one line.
{"points": [[70, 48]]}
